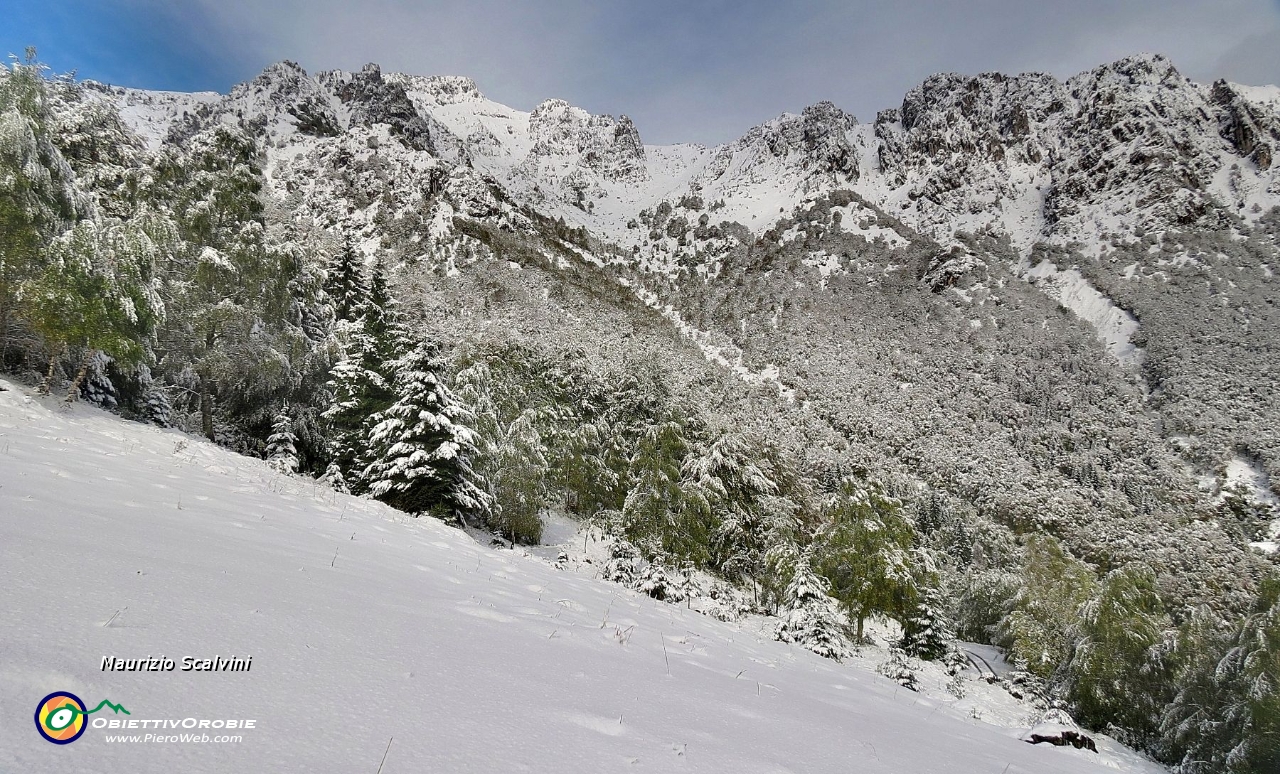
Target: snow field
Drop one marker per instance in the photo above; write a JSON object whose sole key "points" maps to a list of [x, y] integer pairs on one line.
{"points": [[368, 629]]}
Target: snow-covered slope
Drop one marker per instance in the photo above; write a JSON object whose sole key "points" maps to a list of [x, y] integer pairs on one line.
{"points": [[383, 643]]}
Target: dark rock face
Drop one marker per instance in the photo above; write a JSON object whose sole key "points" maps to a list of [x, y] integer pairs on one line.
{"points": [[1250, 131], [817, 140], [1133, 138], [378, 101]]}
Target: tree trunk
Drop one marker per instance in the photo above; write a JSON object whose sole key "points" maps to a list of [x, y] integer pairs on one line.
{"points": [[206, 410], [53, 364], [4, 332], [861, 619], [74, 392]]}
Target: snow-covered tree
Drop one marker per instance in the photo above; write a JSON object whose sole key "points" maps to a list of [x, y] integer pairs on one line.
{"points": [[511, 456], [1039, 629], [345, 284], [227, 288], [421, 449], [1225, 716], [1118, 669], [898, 668], [96, 294], [811, 619], [864, 552], [282, 451], [38, 198], [620, 567], [155, 406], [654, 512], [359, 391], [729, 481], [334, 479], [926, 631], [655, 582]]}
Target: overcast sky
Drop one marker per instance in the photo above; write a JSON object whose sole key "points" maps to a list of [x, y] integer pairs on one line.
{"points": [[684, 70]]}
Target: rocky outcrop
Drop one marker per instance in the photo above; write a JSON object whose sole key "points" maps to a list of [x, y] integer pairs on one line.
{"points": [[375, 100], [1252, 132], [608, 147]]}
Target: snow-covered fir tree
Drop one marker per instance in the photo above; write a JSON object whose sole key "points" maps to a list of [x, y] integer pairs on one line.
{"points": [[655, 582], [282, 451], [811, 619], [898, 668], [156, 407], [927, 633], [333, 478], [421, 449], [345, 284], [620, 567], [358, 391]]}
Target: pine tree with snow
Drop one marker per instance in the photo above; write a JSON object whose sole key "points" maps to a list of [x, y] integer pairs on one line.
{"points": [[865, 552], [620, 567], [420, 447], [654, 513], [345, 284], [511, 456], [812, 620], [927, 632], [359, 392], [654, 582], [1117, 673], [97, 387], [334, 479], [156, 407], [898, 668], [282, 451], [1225, 716]]}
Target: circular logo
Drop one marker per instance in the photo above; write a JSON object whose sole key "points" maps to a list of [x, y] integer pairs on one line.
{"points": [[60, 717]]}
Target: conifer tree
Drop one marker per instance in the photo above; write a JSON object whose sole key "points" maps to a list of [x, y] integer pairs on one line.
{"points": [[38, 199], [282, 452], [654, 582], [1226, 714], [511, 456], [1116, 674], [927, 632], [359, 393], [345, 284], [334, 479], [1038, 631], [228, 288], [811, 620], [653, 514], [96, 295], [156, 407], [420, 448]]}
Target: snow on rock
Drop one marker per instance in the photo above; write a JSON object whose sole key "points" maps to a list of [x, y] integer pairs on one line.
{"points": [[1114, 326], [1245, 478], [370, 630]]}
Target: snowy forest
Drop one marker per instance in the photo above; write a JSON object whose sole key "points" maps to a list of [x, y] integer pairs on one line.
{"points": [[884, 459]]}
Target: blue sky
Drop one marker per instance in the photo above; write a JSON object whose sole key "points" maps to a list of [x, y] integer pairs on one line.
{"points": [[691, 70]]}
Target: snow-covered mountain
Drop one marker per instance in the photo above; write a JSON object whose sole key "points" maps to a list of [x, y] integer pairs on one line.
{"points": [[1091, 193], [1128, 145]]}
